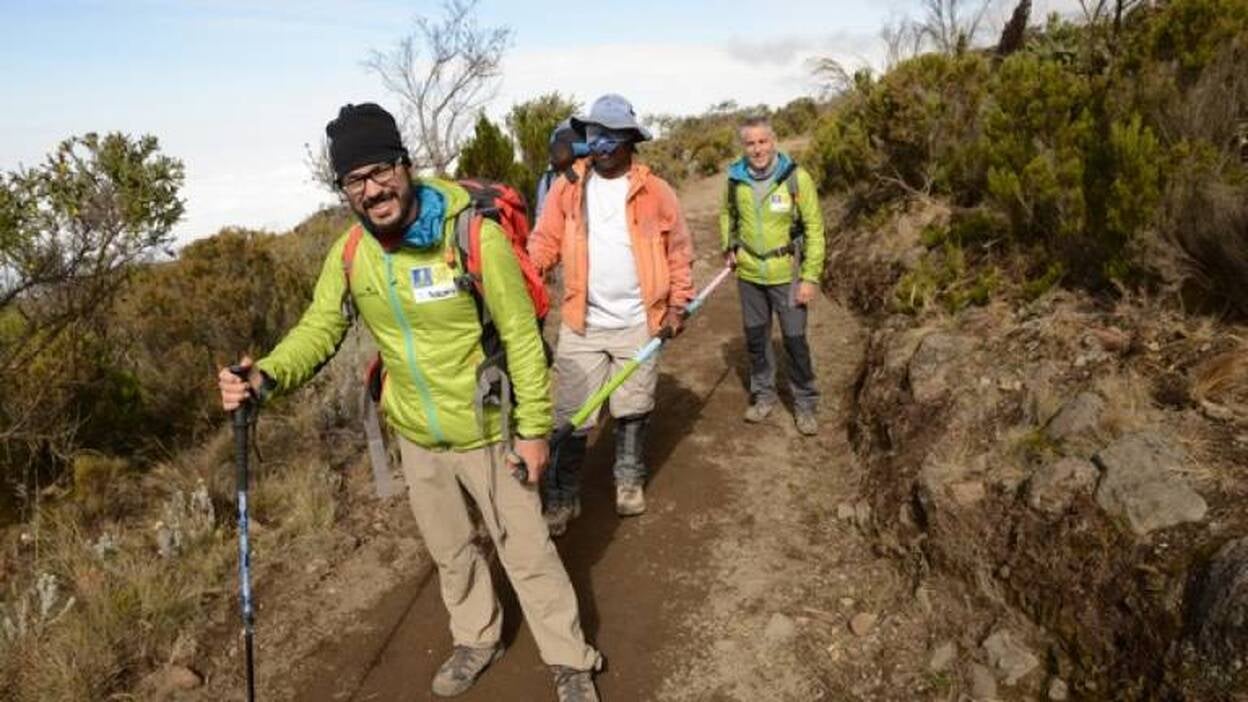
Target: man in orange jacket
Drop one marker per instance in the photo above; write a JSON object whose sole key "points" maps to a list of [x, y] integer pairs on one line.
{"points": [[627, 273]]}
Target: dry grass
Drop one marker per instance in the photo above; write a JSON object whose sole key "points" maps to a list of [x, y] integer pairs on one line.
{"points": [[134, 610], [1223, 379], [129, 608], [1128, 404]]}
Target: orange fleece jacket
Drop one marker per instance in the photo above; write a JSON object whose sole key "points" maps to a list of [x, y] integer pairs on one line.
{"points": [[662, 246]]}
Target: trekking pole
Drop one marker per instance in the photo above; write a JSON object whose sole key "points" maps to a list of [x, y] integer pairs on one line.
{"points": [[242, 417], [643, 354]]}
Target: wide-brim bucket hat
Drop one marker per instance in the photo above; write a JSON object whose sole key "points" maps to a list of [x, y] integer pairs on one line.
{"points": [[613, 112]]}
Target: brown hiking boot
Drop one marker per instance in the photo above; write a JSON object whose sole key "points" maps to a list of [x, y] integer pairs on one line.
{"points": [[758, 410], [630, 499], [574, 685], [462, 669], [807, 423]]}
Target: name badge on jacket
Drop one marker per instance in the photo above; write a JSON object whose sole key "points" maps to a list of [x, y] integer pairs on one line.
{"points": [[432, 283], [779, 203]]}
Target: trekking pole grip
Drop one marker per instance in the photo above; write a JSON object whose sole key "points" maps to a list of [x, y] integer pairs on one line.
{"points": [[242, 414]]}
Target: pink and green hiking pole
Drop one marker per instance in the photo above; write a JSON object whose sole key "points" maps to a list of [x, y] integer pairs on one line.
{"points": [[643, 354]]}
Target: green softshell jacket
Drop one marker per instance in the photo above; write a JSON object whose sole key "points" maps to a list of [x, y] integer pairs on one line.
{"points": [[764, 226], [428, 333]]}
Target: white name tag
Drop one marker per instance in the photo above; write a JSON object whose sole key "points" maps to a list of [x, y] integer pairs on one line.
{"points": [[778, 202], [432, 283]]}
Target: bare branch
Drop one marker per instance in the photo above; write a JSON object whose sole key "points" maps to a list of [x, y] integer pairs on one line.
{"points": [[903, 39], [443, 86], [952, 25]]}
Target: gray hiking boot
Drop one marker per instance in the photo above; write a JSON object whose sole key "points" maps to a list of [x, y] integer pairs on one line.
{"points": [[574, 685], [462, 669], [806, 421], [758, 410], [558, 516], [630, 499]]}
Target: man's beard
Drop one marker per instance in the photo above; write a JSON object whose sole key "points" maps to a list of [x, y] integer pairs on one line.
{"points": [[390, 231]]}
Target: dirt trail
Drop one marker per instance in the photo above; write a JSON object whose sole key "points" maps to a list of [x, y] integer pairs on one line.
{"points": [[683, 601]]}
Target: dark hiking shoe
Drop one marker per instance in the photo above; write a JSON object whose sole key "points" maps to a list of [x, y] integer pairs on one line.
{"points": [[759, 410], [574, 685], [630, 499], [462, 669], [807, 423], [558, 516]]}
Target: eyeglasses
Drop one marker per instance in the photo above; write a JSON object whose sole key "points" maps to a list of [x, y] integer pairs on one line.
{"points": [[382, 174]]}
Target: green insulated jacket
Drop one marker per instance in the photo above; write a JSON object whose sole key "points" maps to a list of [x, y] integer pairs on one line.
{"points": [[428, 333], [764, 225]]}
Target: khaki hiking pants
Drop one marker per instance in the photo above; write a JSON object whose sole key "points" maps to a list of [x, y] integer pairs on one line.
{"points": [[434, 481], [584, 363]]}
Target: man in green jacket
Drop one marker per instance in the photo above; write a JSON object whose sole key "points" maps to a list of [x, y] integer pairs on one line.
{"points": [[771, 229], [403, 285]]}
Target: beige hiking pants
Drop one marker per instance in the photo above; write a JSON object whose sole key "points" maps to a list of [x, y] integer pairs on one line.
{"points": [[584, 363], [434, 479]]}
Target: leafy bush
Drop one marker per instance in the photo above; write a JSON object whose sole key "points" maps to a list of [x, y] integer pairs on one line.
{"points": [[700, 145], [531, 123], [795, 118], [489, 154]]}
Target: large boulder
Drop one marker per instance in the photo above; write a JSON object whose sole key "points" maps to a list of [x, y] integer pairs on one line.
{"points": [[934, 367], [1140, 483]]}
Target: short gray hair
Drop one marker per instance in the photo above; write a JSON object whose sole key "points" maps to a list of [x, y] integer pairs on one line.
{"points": [[755, 121]]}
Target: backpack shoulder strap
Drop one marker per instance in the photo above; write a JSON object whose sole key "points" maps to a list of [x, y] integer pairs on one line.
{"points": [[354, 236], [791, 182], [734, 214], [348, 251]]}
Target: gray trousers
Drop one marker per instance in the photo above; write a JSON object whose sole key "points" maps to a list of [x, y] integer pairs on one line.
{"points": [[758, 304]]}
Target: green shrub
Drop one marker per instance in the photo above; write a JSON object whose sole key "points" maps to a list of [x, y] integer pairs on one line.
{"points": [[1061, 151], [796, 118], [489, 154], [531, 123]]}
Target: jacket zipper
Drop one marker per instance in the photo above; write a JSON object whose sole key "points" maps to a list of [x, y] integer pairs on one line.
{"points": [[422, 385]]}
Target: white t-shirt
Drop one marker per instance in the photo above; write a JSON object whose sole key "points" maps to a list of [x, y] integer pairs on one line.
{"points": [[614, 291]]}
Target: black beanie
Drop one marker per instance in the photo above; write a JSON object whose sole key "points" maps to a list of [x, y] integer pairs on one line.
{"points": [[363, 134]]}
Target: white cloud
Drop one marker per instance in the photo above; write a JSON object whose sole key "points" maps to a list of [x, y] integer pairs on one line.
{"points": [[272, 199], [676, 79]]}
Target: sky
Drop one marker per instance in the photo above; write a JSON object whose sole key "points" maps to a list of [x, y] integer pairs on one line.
{"points": [[237, 88]]}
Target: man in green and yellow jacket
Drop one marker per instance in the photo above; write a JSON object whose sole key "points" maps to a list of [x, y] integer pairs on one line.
{"points": [[771, 229], [403, 285]]}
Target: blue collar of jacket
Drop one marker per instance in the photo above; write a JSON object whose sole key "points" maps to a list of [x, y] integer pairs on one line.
{"points": [[426, 230], [740, 169]]}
